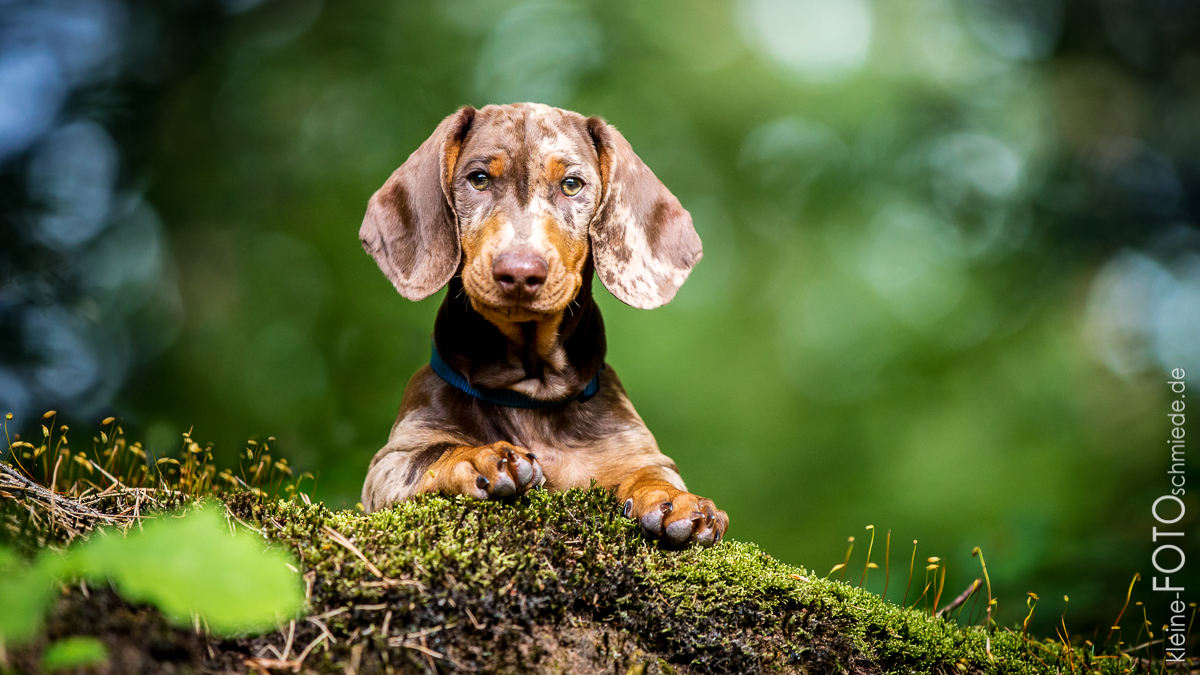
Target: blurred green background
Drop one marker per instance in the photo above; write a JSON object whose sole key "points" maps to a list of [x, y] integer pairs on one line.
{"points": [[951, 249]]}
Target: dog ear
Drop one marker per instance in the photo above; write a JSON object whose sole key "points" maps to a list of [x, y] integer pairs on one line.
{"points": [[410, 227], [643, 241]]}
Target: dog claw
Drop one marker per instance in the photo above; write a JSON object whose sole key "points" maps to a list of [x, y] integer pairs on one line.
{"points": [[628, 508], [482, 482]]}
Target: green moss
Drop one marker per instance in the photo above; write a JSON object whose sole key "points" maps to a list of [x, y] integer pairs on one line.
{"points": [[504, 585], [552, 582]]}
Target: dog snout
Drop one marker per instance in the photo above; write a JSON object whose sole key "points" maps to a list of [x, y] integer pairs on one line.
{"points": [[520, 273]]}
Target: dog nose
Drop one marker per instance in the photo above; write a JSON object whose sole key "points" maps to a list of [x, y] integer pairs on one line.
{"points": [[520, 272]]}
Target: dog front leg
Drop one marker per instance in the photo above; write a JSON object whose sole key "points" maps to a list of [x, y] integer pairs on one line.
{"points": [[492, 471]]}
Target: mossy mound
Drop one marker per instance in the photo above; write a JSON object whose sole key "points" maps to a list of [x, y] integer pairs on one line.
{"points": [[557, 580], [553, 582]]}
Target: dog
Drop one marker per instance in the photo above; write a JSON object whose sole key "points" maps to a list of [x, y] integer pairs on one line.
{"points": [[514, 208]]}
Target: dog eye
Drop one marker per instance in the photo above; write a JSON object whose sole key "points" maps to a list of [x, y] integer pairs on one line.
{"points": [[479, 179], [571, 186]]}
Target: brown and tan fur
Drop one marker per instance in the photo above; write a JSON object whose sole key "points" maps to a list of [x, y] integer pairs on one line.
{"points": [[518, 252]]}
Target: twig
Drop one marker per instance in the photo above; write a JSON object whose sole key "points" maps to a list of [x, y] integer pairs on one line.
{"points": [[401, 642], [264, 665], [30, 485], [345, 543], [331, 613], [962, 597], [474, 621], [324, 629], [299, 662], [429, 653], [356, 653], [287, 646]]}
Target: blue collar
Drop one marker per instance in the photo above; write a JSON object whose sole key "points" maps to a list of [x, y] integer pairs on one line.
{"points": [[505, 397]]}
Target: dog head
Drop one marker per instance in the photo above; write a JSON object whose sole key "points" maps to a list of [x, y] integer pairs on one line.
{"points": [[517, 197]]}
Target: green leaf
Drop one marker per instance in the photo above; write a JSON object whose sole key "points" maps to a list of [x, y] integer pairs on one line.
{"points": [[27, 591], [74, 652], [194, 564]]}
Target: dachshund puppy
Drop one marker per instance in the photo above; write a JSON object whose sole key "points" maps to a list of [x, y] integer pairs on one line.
{"points": [[513, 207]]}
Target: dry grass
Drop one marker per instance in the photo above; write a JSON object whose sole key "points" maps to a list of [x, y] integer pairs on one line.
{"points": [[66, 490]]}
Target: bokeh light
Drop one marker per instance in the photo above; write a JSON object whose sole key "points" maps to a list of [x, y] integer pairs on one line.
{"points": [[819, 41]]}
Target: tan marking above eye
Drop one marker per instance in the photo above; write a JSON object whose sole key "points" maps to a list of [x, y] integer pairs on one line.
{"points": [[571, 186], [554, 170]]}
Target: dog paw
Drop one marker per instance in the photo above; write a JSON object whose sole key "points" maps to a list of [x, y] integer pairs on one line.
{"points": [[491, 471], [676, 518]]}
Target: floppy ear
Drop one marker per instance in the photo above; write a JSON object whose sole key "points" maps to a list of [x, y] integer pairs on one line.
{"points": [[643, 241], [410, 227]]}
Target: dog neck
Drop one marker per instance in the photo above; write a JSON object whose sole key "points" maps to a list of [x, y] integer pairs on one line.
{"points": [[550, 358]]}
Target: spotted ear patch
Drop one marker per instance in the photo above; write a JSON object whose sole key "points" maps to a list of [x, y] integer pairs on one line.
{"points": [[410, 228], [643, 241]]}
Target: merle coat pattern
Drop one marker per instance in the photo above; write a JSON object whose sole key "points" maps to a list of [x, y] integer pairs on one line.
{"points": [[515, 208]]}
